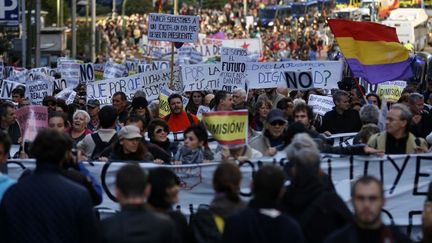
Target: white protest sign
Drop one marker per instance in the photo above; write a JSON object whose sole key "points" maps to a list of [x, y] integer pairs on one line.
{"points": [[19, 75], [60, 83], [154, 66], [202, 109], [87, 73], [391, 90], [70, 71], [233, 67], [132, 66], [114, 70], [68, 95], [320, 104], [174, 28], [200, 77], [6, 88], [8, 71], [149, 82], [37, 90], [318, 74]]}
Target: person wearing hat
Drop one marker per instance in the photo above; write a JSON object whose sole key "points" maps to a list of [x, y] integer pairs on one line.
{"points": [[140, 109], [93, 108], [271, 140], [130, 147]]}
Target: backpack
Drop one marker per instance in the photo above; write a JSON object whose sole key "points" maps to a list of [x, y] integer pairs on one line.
{"points": [[191, 121], [206, 226], [100, 145]]}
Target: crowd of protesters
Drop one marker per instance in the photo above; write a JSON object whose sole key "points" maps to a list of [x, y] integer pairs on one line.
{"points": [[294, 39]]}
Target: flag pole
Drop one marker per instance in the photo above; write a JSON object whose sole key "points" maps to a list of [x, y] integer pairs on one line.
{"points": [[172, 45], [356, 80]]}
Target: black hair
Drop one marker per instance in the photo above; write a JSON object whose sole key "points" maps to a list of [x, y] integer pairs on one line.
{"points": [[107, 116], [268, 183], [160, 180], [199, 131], [122, 95], [367, 180], [376, 96], [62, 104], [131, 180], [4, 106], [219, 96], [226, 179], [174, 96], [19, 90], [62, 115], [50, 147], [283, 103], [153, 124], [303, 107]]}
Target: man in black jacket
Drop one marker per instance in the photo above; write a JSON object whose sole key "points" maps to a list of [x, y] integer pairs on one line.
{"points": [[368, 200], [262, 221], [310, 198], [342, 119], [136, 222], [46, 206]]}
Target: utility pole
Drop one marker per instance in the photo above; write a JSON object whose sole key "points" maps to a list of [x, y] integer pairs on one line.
{"points": [[38, 30], [93, 31], [23, 34], [73, 19], [114, 8]]}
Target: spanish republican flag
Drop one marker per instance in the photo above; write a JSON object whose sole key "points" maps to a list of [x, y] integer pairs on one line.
{"points": [[372, 50]]}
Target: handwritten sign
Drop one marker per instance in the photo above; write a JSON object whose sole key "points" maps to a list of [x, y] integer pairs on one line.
{"points": [[114, 70], [174, 28], [320, 104], [202, 77], [233, 67], [31, 119], [6, 88], [37, 90]]}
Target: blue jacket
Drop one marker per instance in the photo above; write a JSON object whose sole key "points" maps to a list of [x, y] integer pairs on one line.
{"points": [[5, 183]]}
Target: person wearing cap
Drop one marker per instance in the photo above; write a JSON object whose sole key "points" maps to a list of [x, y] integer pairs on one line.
{"points": [[140, 109], [93, 108], [130, 147], [272, 137]]}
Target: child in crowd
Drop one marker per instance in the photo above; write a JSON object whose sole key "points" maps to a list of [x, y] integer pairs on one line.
{"points": [[193, 151]]}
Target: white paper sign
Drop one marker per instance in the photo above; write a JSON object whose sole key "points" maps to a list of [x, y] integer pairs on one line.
{"points": [[233, 67], [174, 28], [323, 74], [6, 88], [320, 104], [200, 77], [37, 90], [114, 70], [87, 73], [1, 70], [70, 71]]}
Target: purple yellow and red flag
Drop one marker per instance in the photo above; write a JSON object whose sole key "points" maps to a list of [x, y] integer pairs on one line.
{"points": [[372, 50]]}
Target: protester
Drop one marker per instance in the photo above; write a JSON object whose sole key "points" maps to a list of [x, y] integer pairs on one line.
{"points": [[193, 150], [262, 109], [369, 114], [50, 102], [208, 99], [18, 96], [207, 224], [239, 97], [238, 153], [272, 139], [119, 101], [261, 221], [374, 99], [5, 181], [48, 200], [140, 109], [223, 101], [196, 99], [136, 222], [164, 195], [272, 95], [309, 198], [8, 123], [341, 119], [79, 129], [58, 121], [397, 139], [368, 201], [94, 144], [286, 105], [160, 146], [129, 146], [179, 120], [421, 120], [93, 108]]}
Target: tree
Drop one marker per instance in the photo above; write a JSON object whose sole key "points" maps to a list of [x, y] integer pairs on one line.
{"points": [[138, 6], [51, 7]]}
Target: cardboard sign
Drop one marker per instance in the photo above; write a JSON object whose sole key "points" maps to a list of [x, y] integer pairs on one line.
{"points": [[321, 104], [37, 90], [6, 88], [87, 73], [173, 28], [114, 70], [294, 74], [31, 119], [391, 90], [201, 77]]}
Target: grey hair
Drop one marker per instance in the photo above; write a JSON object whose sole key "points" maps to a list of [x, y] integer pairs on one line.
{"points": [[414, 97], [338, 94], [241, 91], [84, 113], [369, 114], [304, 150], [406, 114]]}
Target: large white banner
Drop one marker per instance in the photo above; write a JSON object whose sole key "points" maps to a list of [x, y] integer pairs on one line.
{"points": [[149, 82], [405, 178], [6, 87], [294, 74]]}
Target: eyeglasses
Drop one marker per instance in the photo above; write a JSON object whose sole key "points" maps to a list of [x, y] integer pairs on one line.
{"points": [[279, 123], [160, 130]]}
